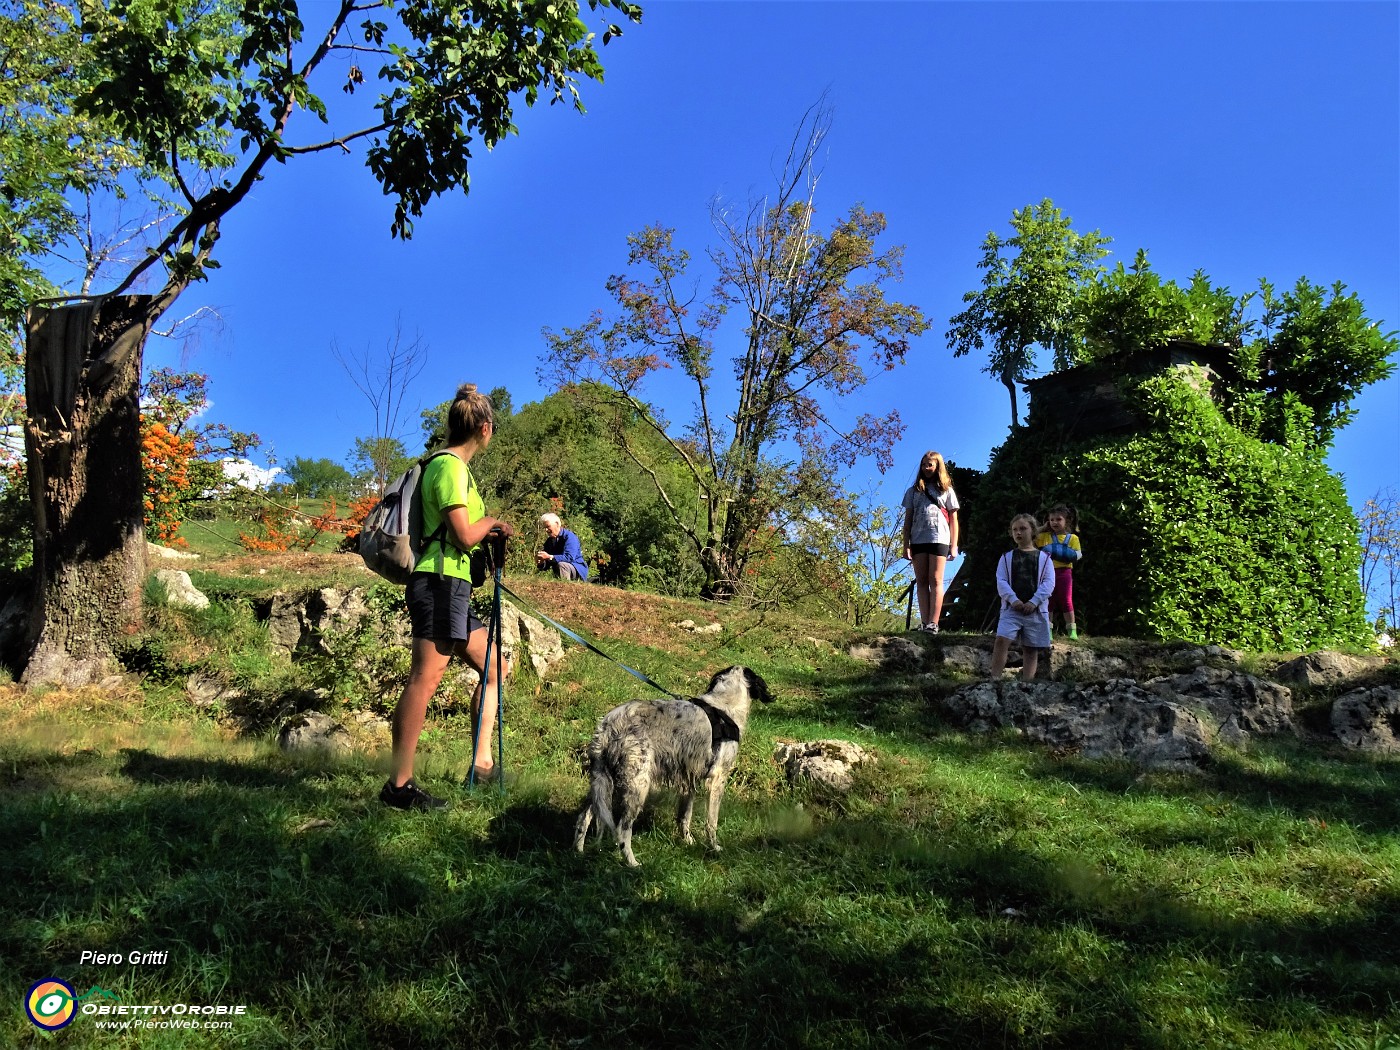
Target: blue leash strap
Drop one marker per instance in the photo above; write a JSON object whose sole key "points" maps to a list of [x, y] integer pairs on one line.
{"points": [[587, 644]]}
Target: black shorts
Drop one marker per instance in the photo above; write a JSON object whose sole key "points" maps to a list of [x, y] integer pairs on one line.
{"points": [[439, 607], [938, 550]]}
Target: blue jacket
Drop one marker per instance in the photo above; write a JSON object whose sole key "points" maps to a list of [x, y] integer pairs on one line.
{"points": [[566, 548]]}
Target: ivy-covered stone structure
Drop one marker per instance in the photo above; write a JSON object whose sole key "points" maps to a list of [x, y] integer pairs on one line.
{"points": [[1192, 529]]}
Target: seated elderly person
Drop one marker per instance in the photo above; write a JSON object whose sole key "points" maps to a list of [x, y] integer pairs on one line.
{"points": [[562, 552]]}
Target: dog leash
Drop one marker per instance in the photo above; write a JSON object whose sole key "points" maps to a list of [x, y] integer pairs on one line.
{"points": [[722, 726], [590, 646]]}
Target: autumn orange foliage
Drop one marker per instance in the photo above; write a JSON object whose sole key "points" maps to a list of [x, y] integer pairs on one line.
{"points": [[283, 528], [165, 462]]}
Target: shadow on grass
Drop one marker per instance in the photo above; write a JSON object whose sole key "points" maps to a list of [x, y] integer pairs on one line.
{"points": [[532, 828], [145, 767], [377, 928], [43, 772], [1336, 789]]}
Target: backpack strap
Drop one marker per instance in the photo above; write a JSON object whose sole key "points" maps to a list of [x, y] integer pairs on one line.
{"points": [[439, 534], [936, 501]]}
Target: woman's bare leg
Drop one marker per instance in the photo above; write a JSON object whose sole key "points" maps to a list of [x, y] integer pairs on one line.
{"points": [[430, 659], [936, 587], [921, 585], [484, 699]]}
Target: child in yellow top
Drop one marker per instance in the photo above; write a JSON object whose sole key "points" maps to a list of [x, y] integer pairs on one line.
{"points": [[1061, 542]]}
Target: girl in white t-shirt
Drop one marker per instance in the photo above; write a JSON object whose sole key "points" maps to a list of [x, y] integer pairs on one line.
{"points": [[930, 534]]}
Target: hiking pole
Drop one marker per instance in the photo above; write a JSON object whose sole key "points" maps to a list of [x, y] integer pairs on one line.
{"points": [[499, 628], [495, 552], [908, 609]]}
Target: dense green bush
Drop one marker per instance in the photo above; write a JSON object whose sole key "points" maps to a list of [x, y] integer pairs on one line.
{"points": [[1191, 529], [562, 454]]}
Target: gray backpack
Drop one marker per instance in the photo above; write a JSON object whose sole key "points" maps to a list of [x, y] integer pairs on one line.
{"points": [[392, 540]]}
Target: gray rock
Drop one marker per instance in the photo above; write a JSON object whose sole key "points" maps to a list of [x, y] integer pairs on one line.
{"points": [[521, 632], [1121, 719], [329, 612], [1368, 719], [1200, 654], [1240, 704], [1325, 668], [1086, 665], [979, 706], [314, 731], [155, 552], [180, 591], [828, 763], [1114, 719], [206, 690], [966, 658], [891, 653], [286, 621], [694, 628], [304, 621]]}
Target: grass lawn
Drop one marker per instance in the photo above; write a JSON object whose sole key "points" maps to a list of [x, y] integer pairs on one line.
{"points": [[970, 891]]}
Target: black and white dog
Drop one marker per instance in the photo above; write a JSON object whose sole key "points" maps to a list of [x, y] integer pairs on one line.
{"points": [[679, 743]]}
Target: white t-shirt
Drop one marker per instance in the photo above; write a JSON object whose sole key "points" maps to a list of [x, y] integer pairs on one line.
{"points": [[929, 524]]}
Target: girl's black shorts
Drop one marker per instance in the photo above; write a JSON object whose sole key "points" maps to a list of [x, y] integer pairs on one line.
{"points": [[439, 607], [938, 550]]}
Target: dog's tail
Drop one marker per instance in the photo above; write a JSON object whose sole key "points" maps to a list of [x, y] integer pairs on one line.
{"points": [[602, 786]]}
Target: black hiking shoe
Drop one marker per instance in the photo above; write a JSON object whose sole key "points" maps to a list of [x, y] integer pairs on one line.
{"points": [[409, 796]]}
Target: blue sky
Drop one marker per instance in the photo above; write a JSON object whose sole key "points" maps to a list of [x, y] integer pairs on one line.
{"points": [[1247, 139]]}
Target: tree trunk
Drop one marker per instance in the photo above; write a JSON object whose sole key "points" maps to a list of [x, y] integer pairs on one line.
{"points": [[1010, 385], [719, 581], [83, 440]]}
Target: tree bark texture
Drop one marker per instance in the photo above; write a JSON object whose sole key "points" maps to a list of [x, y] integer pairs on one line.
{"points": [[83, 439]]}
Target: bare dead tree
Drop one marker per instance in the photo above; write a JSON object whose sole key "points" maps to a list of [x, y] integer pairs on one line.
{"points": [[383, 377], [1380, 557]]}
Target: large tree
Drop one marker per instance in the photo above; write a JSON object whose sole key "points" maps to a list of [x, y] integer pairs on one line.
{"points": [[319, 478], [209, 95], [809, 302], [49, 151], [1030, 295]]}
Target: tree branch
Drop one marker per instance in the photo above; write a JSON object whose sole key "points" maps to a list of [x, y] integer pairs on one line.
{"points": [[341, 142], [361, 48]]}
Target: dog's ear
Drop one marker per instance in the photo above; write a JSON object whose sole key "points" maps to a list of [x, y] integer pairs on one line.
{"points": [[758, 688]]}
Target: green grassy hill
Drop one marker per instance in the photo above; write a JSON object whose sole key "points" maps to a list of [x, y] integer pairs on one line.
{"points": [[969, 891]]}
